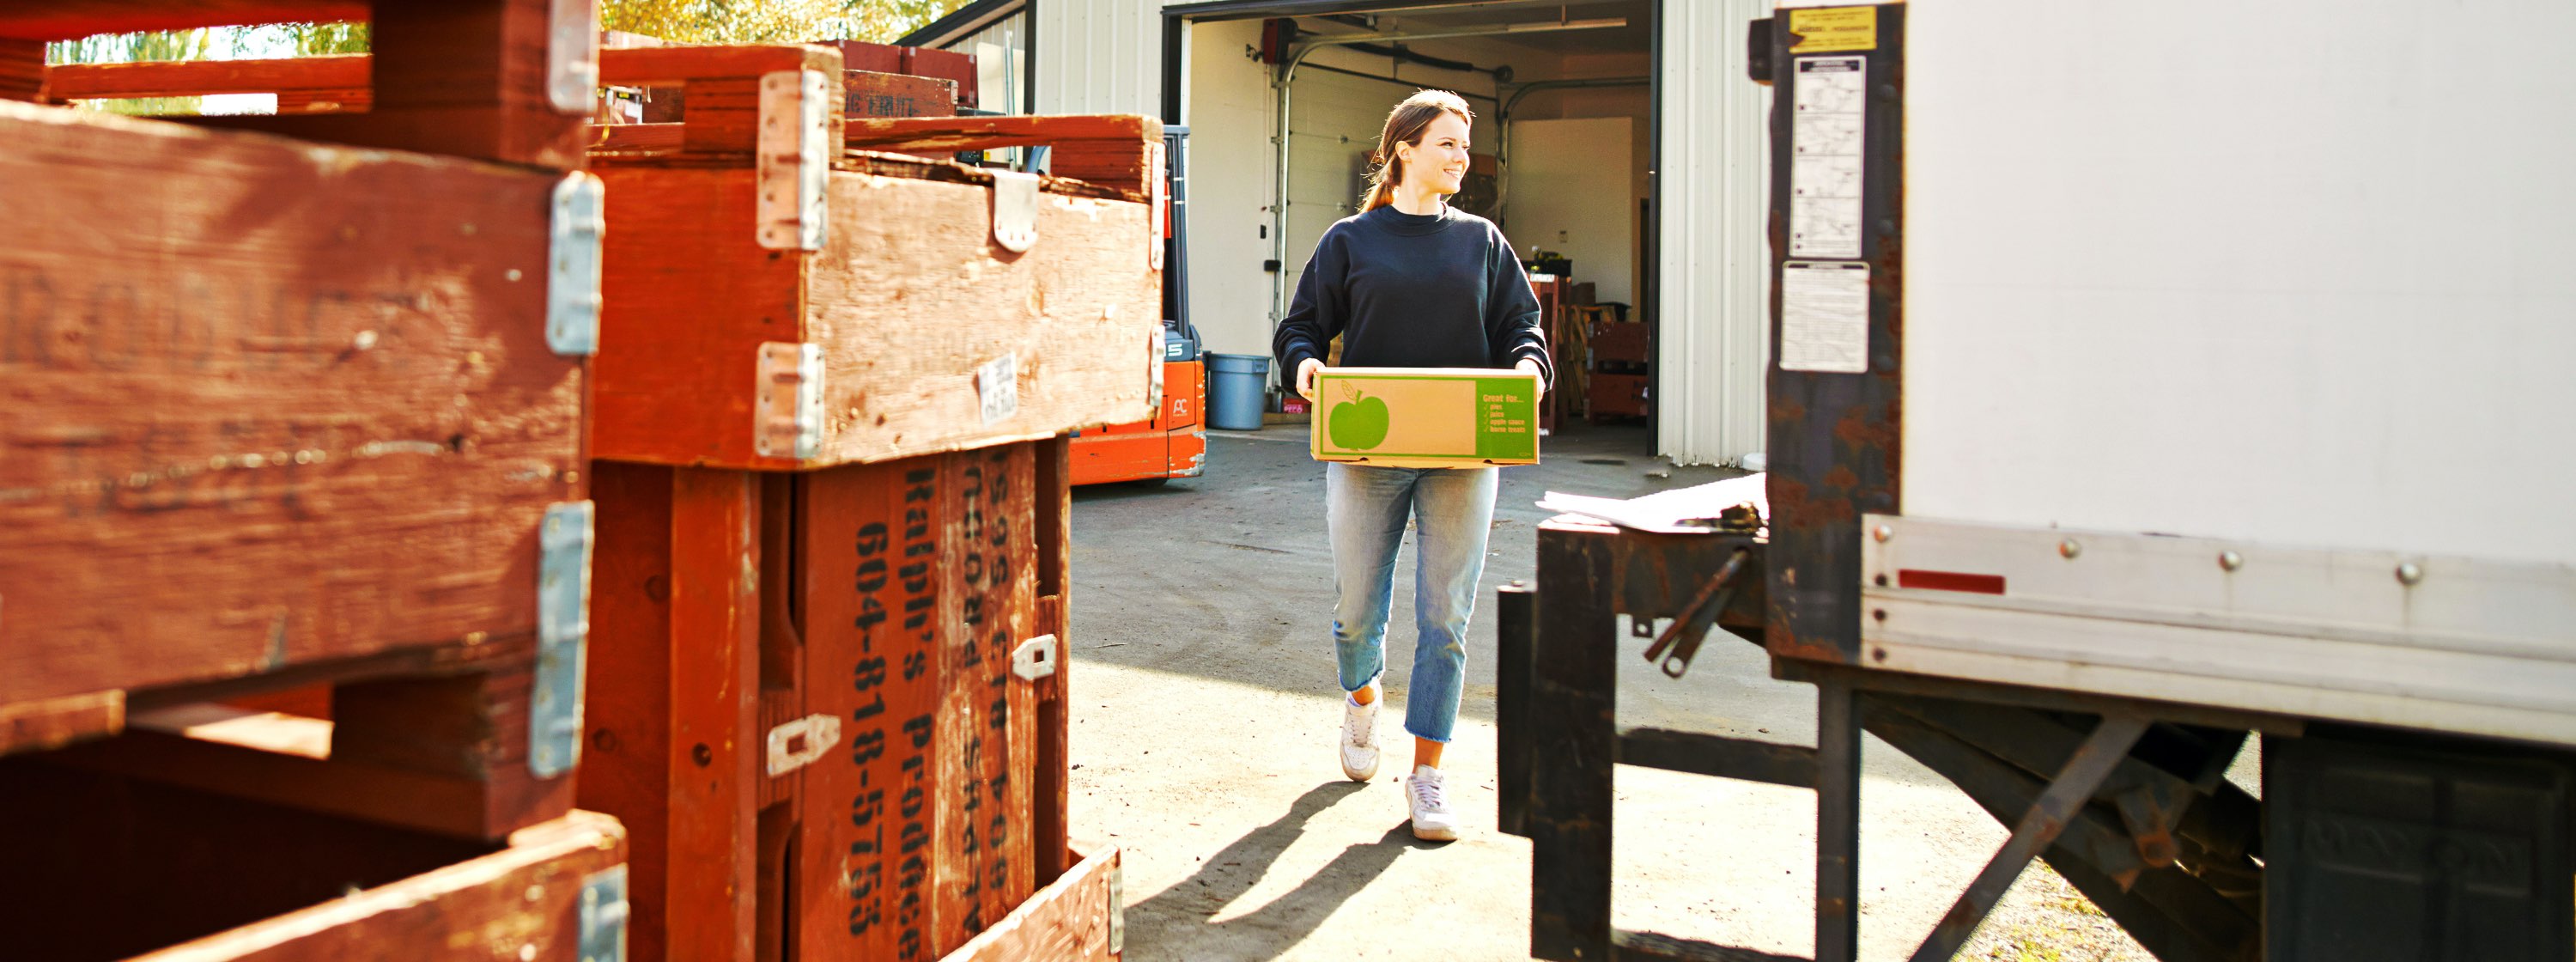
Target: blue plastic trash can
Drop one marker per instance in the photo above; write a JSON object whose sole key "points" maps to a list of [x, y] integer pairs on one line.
{"points": [[1238, 390]]}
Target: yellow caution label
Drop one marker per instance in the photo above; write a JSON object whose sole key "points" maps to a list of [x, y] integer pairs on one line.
{"points": [[1829, 29]]}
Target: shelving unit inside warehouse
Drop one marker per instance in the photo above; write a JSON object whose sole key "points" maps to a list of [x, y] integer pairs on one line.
{"points": [[295, 418]]}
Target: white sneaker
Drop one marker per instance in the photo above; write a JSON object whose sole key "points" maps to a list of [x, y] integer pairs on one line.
{"points": [[1359, 738], [1431, 819]]}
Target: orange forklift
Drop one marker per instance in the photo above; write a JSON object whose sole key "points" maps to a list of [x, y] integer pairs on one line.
{"points": [[1173, 443]]}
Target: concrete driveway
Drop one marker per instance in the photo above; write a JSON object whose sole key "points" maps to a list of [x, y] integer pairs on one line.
{"points": [[1205, 710]]}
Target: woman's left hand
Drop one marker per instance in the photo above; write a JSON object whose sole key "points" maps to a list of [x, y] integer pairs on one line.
{"points": [[1532, 367]]}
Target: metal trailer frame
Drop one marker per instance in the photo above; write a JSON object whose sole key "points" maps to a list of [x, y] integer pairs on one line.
{"points": [[2123, 794]]}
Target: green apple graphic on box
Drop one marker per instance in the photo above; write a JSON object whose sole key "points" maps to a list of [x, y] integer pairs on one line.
{"points": [[1359, 423]]}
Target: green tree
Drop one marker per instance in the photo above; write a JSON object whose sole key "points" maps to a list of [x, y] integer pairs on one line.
{"points": [[772, 21]]}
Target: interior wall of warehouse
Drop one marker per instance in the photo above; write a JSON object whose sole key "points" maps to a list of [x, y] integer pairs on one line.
{"points": [[1637, 104]]}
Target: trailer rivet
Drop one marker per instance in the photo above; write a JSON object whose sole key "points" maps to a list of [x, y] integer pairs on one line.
{"points": [[2068, 549], [2409, 573], [2230, 560], [1882, 532]]}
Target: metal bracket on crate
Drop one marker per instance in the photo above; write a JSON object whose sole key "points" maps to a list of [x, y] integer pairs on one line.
{"points": [[603, 916], [795, 160], [1160, 172], [573, 233], [572, 57], [1117, 907], [798, 743], [1034, 658], [1015, 210], [563, 633], [789, 419]]}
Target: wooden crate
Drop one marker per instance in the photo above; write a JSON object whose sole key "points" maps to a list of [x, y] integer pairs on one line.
{"points": [[802, 689], [276, 414], [1076, 918], [104, 867], [756, 318], [504, 80], [952, 66]]}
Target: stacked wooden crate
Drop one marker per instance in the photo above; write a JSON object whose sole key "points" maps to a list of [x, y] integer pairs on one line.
{"points": [[282, 410], [827, 689]]}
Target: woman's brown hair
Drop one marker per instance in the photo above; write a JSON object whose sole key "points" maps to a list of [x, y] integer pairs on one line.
{"points": [[1404, 125]]}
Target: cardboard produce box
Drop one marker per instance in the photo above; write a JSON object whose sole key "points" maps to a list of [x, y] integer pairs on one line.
{"points": [[1421, 417]]}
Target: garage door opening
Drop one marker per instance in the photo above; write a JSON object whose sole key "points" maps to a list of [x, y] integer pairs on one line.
{"points": [[1564, 141]]}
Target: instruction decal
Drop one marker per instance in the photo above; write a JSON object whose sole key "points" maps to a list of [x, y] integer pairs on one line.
{"points": [[1824, 316], [1834, 28], [1825, 156]]}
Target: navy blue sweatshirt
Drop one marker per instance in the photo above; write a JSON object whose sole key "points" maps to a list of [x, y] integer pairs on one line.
{"points": [[1413, 290]]}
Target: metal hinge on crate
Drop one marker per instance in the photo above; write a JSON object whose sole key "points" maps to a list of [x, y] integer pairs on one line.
{"points": [[1015, 210], [573, 234], [789, 416], [572, 57], [603, 916], [1034, 658], [563, 634], [794, 165]]}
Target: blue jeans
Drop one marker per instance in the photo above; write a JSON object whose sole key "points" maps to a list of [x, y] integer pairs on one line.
{"points": [[1365, 509]]}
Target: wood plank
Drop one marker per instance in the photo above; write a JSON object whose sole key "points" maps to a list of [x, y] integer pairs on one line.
{"points": [[22, 70], [911, 295], [55, 722], [872, 603], [106, 867], [1053, 761], [973, 825], [715, 748], [68, 19], [270, 404], [197, 77], [1068, 921], [522, 903], [653, 66], [626, 765], [986, 133]]}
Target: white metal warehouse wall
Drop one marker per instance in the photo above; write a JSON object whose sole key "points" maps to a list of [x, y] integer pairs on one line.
{"points": [[1099, 56], [1716, 263], [1105, 56]]}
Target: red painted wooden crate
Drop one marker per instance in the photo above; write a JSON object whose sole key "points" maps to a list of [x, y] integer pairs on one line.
{"points": [[105, 867], [284, 413], [802, 689], [865, 308]]}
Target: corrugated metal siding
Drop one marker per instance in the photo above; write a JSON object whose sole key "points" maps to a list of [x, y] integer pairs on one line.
{"points": [[1099, 56], [1715, 261]]}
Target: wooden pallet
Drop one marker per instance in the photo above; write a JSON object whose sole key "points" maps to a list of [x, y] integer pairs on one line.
{"points": [[277, 413], [504, 80], [105, 867], [878, 316], [803, 702]]}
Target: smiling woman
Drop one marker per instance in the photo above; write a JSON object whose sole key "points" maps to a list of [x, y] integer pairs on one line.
{"points": [[1409, 282]]}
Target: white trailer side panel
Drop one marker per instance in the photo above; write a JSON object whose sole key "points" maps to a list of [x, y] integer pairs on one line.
{"points": [[2297, 272]]}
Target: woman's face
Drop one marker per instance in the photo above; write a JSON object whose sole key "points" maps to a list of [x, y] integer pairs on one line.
{"points": [[1440, 160]]}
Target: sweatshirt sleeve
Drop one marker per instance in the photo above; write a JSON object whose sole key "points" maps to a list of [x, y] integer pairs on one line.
{"points": [[1511, 319], [1319, 311]]}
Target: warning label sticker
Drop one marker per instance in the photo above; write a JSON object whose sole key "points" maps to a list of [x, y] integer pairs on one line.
{"points": [[1832, 99], [1824, 316], [1834, 28]]}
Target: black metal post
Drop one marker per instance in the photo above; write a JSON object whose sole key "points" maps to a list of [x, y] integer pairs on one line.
{"points": [[1837, 821], [1515, 620], [1573, 701]]}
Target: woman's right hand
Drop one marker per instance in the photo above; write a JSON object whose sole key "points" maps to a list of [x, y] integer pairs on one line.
{"points": [[1307, 368]]}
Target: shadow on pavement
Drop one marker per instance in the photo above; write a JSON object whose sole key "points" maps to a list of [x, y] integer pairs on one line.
{"points": [[1176, 923]]}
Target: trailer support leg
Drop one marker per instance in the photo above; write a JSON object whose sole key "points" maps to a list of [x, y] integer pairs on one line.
{"points": [[2075, 784], [1837, 822]]}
